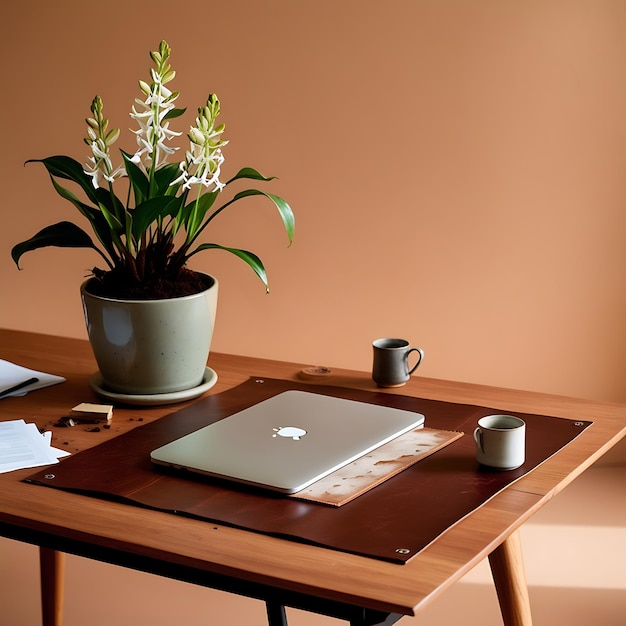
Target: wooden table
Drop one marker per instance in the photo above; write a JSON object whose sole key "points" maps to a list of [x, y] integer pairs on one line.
{"points": [[361, 590]]}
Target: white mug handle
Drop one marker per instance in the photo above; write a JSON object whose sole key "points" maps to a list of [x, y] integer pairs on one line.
{"points": [[478, 438]]}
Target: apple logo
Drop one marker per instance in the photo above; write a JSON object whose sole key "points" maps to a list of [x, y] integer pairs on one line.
{"points": [[289, 432]]}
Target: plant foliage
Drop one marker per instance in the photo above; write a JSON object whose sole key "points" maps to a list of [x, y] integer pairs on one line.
{"points": [[147, 238]]}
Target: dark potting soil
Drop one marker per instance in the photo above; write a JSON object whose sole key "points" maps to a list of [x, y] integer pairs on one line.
{"points": [[113, 284]]}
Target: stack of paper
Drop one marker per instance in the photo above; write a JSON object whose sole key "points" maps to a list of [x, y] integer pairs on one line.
{"points": [[16, 380], [22, 445]]}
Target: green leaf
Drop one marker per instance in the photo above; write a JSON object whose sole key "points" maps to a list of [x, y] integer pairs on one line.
{"points": [[174, 113], [100, 221], [86, 209], [284, 209], [62, 235], [104, 233], [66, 167], [151, 210], [138, 180], [250, 173], [69, 169], [164, 177], [195, 212], [250, 258]]}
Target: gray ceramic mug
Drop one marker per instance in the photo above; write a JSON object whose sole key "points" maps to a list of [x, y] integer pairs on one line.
{"points": [[391, 362]]}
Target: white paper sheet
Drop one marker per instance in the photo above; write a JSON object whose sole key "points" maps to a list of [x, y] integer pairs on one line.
{"points": [[12, 374], [22, 445]]}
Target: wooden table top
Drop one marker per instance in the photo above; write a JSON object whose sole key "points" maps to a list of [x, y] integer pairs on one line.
{"points": [[257, 558]]}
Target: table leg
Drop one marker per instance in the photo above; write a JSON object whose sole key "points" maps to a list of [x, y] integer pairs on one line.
{"points": [[276, 615], [507, 567], [52, 575]]}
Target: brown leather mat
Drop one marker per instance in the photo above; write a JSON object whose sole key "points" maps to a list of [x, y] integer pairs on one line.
{"points": [[392, 522]]}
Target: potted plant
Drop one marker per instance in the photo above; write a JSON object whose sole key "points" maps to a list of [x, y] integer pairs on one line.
{"points": [[145, 237]]}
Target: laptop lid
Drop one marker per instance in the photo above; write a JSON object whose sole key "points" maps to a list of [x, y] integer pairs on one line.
{"points": [[287, 442]]}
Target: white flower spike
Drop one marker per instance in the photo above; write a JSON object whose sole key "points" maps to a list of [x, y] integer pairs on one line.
{"points": [[151, 115], [204, 158], [99, 165]]}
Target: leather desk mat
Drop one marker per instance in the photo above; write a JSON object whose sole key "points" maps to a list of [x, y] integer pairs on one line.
{"points": [[393, 521]]}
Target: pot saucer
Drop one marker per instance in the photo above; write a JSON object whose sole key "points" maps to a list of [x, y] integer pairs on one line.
{"points": [[154, 399]]}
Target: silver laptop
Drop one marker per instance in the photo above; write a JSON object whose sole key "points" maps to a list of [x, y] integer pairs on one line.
{"points": [[287, 442]]}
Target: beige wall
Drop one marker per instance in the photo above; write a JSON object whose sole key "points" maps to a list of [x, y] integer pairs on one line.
{"points": [[456, 169]]}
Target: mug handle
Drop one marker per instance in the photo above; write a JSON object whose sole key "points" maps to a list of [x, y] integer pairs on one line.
{"points": [[478, 438], [421, 352]]}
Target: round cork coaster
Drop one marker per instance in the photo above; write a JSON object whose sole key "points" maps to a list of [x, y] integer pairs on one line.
{"points": [[315, 373]]}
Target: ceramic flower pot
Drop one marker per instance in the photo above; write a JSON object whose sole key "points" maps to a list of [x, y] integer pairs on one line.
{"points": [[151, 346]]}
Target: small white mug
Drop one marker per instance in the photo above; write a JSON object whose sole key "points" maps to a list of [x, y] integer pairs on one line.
{"points": [[501, 441]]}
